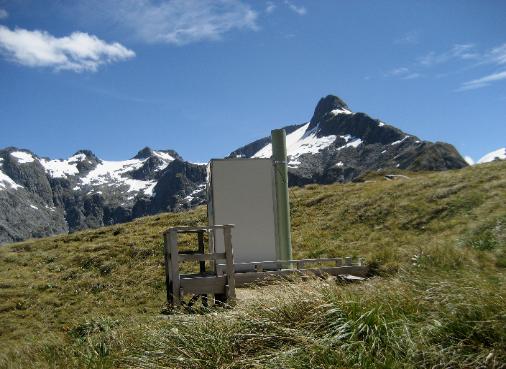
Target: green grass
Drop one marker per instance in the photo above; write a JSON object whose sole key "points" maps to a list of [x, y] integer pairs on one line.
{"points": [[436, 243]]}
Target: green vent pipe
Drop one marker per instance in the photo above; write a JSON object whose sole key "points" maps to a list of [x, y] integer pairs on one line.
{"points": [[283, 205]]}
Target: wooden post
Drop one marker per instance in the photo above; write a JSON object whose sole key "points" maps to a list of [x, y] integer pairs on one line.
{"points": [[227, 236], [284, 244], [174, 268], [166, 254], [348, 261], [202, 264]]}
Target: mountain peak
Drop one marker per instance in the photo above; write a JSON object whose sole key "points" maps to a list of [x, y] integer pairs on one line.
{"points": [[144, 153], [325, 106], [88, 154], [494, 155], [148, 152]]}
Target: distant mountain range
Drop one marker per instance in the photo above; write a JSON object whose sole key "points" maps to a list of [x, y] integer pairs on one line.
{"points": [[41, 196]]}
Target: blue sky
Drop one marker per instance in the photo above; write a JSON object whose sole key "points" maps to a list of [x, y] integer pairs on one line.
{"points": [[205, 77]]}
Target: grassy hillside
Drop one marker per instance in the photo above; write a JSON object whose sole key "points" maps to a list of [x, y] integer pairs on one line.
{"points": [[436, 242]]}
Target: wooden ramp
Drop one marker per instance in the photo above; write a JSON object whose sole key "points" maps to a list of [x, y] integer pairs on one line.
{"points": [[222, 278]]}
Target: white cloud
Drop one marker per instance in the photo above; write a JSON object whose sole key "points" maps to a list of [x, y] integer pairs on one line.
{"points": [[409, 38], [467, 55], [497, 55], [270, 7], [398, 71], [483, 81], [413, 75], [403, 73], [458, 51], [77, 52], [300, 10], [176, 22], [3, 13]]}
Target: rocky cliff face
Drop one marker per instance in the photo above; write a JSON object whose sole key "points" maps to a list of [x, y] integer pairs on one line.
{"points": [[338, 145], [41, 196]]}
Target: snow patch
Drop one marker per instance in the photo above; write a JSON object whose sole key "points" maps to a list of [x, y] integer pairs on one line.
{"points": [[50, 208], [107, 173], [494, 155], [6, 182], [150, 189], [340, 111], [399, 141], [293, 163], [112, 173], [163, 155], [301, 141], [339, 164], [381, 124], [22, 157], [469, 160], [57, 168], [352, 142], [34, 207], [192, 195], [60, 168]]}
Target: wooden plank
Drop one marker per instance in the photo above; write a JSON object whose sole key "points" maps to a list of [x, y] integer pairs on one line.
{"points": [[243, 279], [301, 262], [174, 269], [359, 271], [201, 257], [191, 229], [348, 261], [230, 269], [312, 261], [246, 278], [203, 285]]}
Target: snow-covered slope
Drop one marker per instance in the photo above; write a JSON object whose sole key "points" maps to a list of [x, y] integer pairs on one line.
{"points": [[305, 141], [494, 155], [104, 173], [83, 191], [6, 182]]}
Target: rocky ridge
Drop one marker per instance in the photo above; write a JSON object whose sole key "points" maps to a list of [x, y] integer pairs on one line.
{"points": [[41, 196], [338, 145]]}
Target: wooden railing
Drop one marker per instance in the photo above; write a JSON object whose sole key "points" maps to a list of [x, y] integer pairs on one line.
{"points": [[221, 286]]}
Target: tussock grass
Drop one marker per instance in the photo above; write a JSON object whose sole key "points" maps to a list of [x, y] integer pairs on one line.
{"points": [[407, 321], [436, 244]]}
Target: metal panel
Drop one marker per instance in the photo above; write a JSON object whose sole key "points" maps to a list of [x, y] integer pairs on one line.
{"points": [[241, 192]]}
